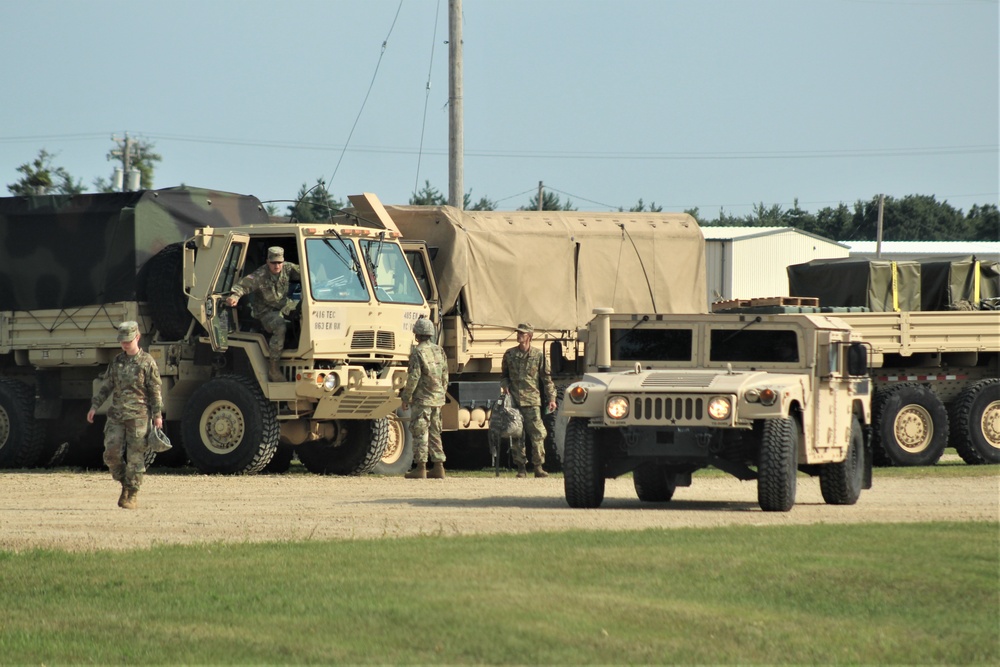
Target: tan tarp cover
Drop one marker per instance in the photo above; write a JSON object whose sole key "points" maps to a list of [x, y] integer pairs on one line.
{"points": [[552, 268]]}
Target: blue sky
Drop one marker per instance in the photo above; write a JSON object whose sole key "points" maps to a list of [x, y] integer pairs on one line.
{"points": [[688, 103]]}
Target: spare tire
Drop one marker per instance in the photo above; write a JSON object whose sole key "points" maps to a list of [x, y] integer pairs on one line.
{"points": [[164, 290]]}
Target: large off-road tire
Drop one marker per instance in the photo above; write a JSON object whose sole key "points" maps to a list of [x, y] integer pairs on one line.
{"points": [[841, 483], [362, 448], [910, 425], [398, 456], [167, 302], [229, 427], [583, 472], [778, 465], [654, 483], [21, 435], [281, 461], [976, 422]]}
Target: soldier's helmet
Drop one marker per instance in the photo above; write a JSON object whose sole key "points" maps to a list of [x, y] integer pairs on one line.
{"points": [[157, 440], [424, 327]]}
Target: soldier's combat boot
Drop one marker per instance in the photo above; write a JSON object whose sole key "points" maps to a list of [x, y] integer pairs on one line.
{"points": [[123, 496], [539, 472], [131, 499], [521, 471], [419, 471], [274, 373], [437, 472]]}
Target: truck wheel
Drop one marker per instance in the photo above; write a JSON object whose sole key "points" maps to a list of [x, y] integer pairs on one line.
{"points": [[21, 435], [841, 483], [911, 425], [583, 474], [976, 419], [398, 456], [167, 303], [281, 461], [653, 484], [229, 427], [776, 472], [357, 454]]}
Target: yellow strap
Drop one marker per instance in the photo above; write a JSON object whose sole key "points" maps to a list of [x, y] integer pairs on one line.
{"points": [[975, 285], [895, 285]]}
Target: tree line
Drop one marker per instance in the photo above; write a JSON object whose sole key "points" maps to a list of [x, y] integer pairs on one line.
{"points": [[910, 218]]}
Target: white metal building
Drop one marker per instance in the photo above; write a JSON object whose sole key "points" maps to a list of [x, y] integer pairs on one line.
{"points": [[917, 249], [748, 262]]}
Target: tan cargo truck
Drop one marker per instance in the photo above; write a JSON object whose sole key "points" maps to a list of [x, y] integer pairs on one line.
{"points": [[759, 396], [486, 271], [77, 267]]}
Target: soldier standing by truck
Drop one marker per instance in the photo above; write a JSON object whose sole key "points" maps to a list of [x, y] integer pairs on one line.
{"points": [[133, 383], [426, 383], [268, 286], [525, 375]]}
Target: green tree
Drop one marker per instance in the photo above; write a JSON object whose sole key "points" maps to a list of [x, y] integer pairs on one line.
{"points": [[484, 203], [40, 177], [640, 207], [428, 196], [314, 204], [550, 202], [144, 158], [983, 223]]}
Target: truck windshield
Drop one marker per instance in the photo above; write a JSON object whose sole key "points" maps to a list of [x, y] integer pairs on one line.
{"points": [[334, 271], [391, 273], [754, 345], [651, 344]]}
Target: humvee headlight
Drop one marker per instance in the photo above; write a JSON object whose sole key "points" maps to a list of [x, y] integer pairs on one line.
{"points": [[752, 396], [617, 407], [577, 394], [719, 408], [768, 396], [330, 382]]}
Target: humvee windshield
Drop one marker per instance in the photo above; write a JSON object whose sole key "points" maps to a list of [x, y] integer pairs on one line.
{"points": [[334, 271], [754, 345], [651, 344]]}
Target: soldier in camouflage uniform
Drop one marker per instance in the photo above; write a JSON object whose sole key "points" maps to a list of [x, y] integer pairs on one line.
{"points": [[133, 383], [525, 376], [425, 388], [269, 303]]}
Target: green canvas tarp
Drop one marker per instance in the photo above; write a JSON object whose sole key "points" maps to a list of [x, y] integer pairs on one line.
{"points": [[61, 251], [879, 285], [947, 283]]}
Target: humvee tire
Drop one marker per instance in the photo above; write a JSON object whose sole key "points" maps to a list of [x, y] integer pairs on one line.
{"points": [[976, 422], [653, 484], [21, 435], [229, 427], [583, 474], [359, 453], [778, 467], [398, 455], [910, 425], [841, 483]]}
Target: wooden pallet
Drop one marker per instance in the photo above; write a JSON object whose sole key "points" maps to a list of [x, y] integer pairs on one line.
{"points": [[759, 302]]}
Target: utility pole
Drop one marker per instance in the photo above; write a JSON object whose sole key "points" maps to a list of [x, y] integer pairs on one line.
{"points": [[456, 138], [127, 179], [541, 192], [878, 236]]}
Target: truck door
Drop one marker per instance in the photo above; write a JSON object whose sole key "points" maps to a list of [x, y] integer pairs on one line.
{"points": [[217, 269], [420, 262]]}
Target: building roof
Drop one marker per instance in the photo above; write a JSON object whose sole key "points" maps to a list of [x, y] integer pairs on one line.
{"points": [[909, 249], [733, 233]]}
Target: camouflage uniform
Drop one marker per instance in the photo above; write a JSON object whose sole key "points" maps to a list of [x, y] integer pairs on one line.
{"points": [[425, 388], [269, 301], [526, 376], [134, 386]]}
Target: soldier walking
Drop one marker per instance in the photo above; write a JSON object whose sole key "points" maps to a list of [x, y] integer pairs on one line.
{"points": [[133, 383], [425, 388], [268, 287], [525, 376]]}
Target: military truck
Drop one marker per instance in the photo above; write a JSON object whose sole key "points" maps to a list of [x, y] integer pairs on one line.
{"points": [[483, 272], [758, 396], [76, 267]]}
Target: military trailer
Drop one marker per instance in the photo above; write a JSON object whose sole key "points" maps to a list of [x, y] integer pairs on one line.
{"points": [[486, 271], [759, 396], [76, 267]]}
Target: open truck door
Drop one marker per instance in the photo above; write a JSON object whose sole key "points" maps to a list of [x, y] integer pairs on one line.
{"points": [[213, 263]]}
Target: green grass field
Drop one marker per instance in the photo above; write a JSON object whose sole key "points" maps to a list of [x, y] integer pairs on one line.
{"points": [[886, 594]]}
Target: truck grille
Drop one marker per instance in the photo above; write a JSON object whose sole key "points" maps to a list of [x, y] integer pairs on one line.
{"points": [[671, 408], [366, 340], [678, 380]]}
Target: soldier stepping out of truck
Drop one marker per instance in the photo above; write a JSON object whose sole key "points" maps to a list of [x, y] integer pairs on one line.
{"points": [[133, 383], [525, 376], [268, 287], [426, 384]]}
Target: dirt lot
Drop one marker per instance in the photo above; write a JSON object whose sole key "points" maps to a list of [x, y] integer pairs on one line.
{"points": [[77, 511]]}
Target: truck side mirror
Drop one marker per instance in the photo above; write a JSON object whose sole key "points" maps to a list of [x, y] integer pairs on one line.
{"points": [[857, 359]]}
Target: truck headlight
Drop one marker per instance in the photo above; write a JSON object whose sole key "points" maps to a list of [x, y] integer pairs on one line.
{"points": [[617, 407], [330, 382], [719, 408]]}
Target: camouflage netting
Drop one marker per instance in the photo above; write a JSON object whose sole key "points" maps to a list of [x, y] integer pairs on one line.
{"points": [[552, 268], [69, 251]]}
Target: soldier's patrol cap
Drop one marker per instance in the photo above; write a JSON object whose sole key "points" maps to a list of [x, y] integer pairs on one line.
{"points": [[525, 327], [127, 331], [276, 254]]}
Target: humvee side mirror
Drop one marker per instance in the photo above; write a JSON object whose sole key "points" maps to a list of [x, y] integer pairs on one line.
{"points": [[857, 359]]}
